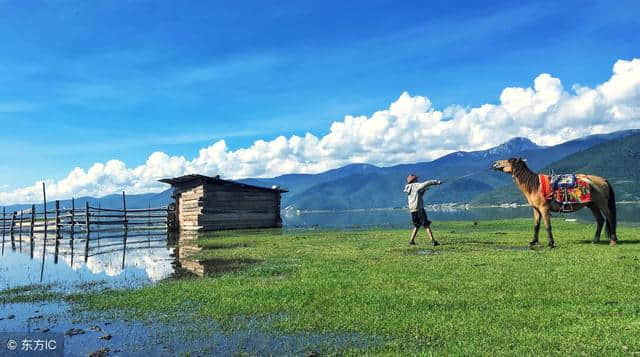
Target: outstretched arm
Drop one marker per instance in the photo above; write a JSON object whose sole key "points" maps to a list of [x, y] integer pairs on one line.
{"points": [[428, 183]]}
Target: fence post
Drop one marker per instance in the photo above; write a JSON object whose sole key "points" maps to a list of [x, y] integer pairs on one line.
{"points": [[20, 229], [124, 206], [3, 210], [124, 248], [98, 224], [86, 211], [87, 222], [86, 246], [46, 225], [33, 221], [57, 250], [73, 217], [13, 221], [171, 218], [149, 223], [57, 219]]}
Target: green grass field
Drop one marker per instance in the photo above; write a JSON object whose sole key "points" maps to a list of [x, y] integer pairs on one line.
{"points": [[480, 292]]}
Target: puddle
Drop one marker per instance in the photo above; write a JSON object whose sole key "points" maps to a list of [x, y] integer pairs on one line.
{"points": [[428, 252], [117, 260], [512, 248], [84, 334]]}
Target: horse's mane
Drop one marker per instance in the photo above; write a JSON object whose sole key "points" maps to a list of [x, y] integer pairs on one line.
{"points": [[527, 177]]}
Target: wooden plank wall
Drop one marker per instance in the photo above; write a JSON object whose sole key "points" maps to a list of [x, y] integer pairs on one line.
{"points": [[226, 206], [189, 202]]}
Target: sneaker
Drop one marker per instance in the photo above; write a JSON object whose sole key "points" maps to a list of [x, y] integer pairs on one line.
{"points": [[435, 242]]}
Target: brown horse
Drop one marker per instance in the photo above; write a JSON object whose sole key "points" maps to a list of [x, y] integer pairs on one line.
{"points": [[602, 205]]}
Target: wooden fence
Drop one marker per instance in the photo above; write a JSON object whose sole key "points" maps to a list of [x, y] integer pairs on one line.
{"points": [[61, 221]]}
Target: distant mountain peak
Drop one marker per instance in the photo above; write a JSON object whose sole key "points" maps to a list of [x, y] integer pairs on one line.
{"points": [[514, 145], [353, 168]]}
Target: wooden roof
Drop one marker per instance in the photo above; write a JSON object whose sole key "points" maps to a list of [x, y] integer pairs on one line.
{"points": [[215, 180]]}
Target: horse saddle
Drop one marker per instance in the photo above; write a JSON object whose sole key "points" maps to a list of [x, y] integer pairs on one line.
{"points": [[565, 190], [563, 181]]}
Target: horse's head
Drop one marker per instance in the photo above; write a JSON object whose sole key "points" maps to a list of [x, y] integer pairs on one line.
{"points": [[508, 165]]}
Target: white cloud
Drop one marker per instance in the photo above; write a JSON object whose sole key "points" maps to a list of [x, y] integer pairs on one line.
{"points": [[410, 130]]}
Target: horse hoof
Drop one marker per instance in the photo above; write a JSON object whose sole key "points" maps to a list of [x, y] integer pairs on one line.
{"points": [[595, 241], [532, 243], [551, 246], [613, 243]]}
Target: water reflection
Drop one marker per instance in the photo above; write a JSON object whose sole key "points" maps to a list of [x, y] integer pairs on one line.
{"points": [[190, 263], [120, 260], [115, 260]]}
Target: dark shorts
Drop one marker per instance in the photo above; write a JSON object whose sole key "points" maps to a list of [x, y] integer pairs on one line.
{"points": [[419, 218]]}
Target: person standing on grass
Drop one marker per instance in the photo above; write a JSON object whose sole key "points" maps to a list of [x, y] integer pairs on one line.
{"points": [[415, 190]]}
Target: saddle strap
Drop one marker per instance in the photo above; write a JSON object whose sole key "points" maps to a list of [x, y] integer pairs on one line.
{"points": [[545, 186]]}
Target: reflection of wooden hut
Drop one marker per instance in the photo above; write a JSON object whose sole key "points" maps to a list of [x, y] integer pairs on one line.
{"points": [[186, 261], [206, 203]]}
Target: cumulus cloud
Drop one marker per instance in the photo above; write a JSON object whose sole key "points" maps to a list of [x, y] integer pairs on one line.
{"points": [[155, 262], [410, 130]]}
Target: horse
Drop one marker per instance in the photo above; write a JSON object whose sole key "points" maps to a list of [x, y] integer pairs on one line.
{"points": [[602, 205]]}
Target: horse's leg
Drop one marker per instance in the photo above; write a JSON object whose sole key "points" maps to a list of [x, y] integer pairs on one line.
{"points": [[599, 221], [546, 216], [608, 226], [607, 217], [536, 226], [612, 219]]}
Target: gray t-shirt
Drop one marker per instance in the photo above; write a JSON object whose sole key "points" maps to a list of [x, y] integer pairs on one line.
{"points": [[415, 191]]}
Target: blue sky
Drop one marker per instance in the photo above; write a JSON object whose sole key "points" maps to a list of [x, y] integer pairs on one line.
{"points": [[90, 81]]}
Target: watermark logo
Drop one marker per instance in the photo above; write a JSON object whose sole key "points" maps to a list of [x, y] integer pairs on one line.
{"points": [[12, 345], [31, 344]]}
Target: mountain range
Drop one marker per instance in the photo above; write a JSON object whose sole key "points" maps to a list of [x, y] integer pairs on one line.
{"points": [[467, 176], [616, 160]]}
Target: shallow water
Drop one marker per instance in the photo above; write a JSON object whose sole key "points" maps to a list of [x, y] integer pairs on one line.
{"points": [[114, 261], [628, 214], [157, 337], [117, 260], [428, 252], [139, 259]]}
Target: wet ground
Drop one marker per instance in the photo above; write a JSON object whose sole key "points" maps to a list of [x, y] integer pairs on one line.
{"points": [[85, 334], [122, 261]]}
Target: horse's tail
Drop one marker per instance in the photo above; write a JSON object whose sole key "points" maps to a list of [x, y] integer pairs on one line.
{"points": [[612, 218]]}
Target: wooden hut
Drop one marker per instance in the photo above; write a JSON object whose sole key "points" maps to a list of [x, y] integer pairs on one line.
{"points": [[204, 203]]}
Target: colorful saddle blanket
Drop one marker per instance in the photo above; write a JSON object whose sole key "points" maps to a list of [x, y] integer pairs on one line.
{"points": [[563, 181], [565, 189]]}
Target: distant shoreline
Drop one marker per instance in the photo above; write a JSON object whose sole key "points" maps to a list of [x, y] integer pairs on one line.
{"points": [[435, 207]]}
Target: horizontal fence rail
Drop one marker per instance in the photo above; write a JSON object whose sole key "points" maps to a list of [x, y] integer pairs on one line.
{"points": [[60, 221]]}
